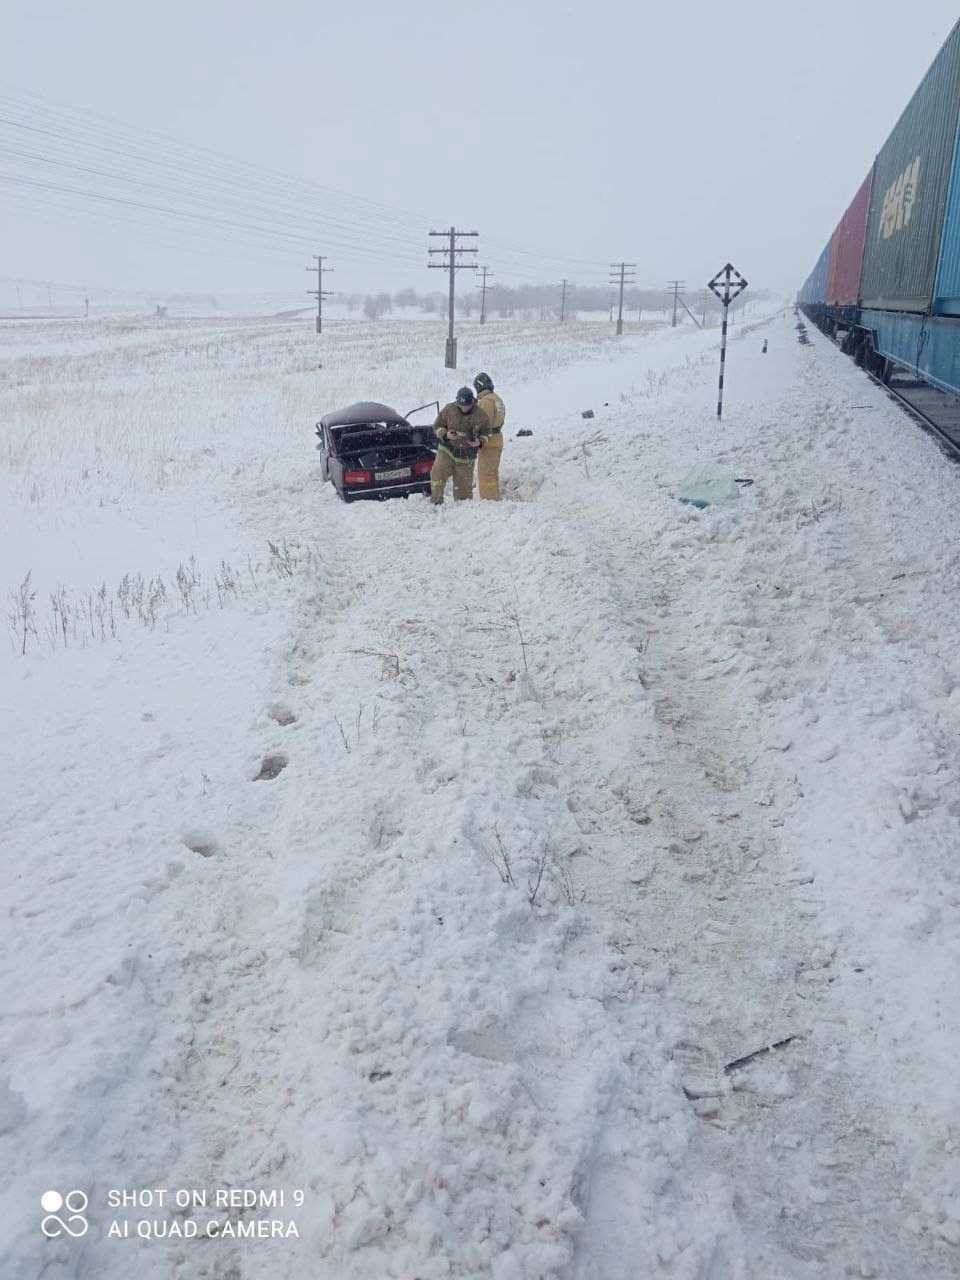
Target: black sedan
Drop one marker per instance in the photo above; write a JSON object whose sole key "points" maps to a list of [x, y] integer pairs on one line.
{"points": [[369, 450]]}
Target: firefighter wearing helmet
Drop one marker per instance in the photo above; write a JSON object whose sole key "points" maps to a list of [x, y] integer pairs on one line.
{"points": [[488, 459], [460, 428]]}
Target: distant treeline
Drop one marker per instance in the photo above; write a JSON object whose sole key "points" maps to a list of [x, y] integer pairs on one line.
{"points": [[540, 300]]}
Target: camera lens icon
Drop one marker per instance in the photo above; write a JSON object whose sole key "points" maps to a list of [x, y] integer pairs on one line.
{"points": [[74, 1224]]}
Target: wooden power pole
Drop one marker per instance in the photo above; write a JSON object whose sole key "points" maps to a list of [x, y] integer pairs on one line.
{"points": [[676, 286], [453, 266], [482, 286], [563, 300], [620, 270], [319, 292]]}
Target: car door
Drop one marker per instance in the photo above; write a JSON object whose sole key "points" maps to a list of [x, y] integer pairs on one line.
{"points": [[324, 447]]}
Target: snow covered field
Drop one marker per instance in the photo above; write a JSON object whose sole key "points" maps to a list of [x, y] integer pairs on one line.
{"points": [[441, 870]]}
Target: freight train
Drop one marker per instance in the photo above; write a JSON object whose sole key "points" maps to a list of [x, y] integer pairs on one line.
{"points": [[887, 284]]}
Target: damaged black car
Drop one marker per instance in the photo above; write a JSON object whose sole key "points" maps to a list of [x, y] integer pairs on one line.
{"points": [[369, 450]]}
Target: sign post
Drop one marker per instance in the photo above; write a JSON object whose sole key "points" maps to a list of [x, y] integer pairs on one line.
{"points": [[727, 284]]}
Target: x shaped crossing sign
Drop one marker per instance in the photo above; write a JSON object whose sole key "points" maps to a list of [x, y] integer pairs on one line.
{"points": [[727, 284]]}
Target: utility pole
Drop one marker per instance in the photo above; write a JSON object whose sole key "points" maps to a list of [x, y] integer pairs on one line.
{"points": [[482, 286], [622, 268], [49, 299], [563, 300], [676, 286], [319, 292], [19, 298], [453, 266]]}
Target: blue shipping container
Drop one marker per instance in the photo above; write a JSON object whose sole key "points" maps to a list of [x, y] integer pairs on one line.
{"points": [[814, 291]]}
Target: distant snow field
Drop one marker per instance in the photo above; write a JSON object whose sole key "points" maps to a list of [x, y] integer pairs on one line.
{"points": [[559, 889]]}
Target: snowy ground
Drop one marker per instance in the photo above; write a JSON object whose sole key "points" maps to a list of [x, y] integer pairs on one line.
{"points": [[582, 798]]}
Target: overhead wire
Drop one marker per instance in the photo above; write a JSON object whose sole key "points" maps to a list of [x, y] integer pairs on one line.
{"points": [[298, 240], [119, 131], [107, 185], [182, 180], [197, 205], [107, 163], [387, 215]]}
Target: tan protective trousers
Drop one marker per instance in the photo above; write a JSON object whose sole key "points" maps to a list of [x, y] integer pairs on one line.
{"points": [[488, 467], [446, 465]]}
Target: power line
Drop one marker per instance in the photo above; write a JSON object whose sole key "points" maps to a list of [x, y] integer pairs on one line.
{"points": [[86, 124], [90, 161], [193, 216], [98, 183], [213, 189], [208, 191], [153, 146]]}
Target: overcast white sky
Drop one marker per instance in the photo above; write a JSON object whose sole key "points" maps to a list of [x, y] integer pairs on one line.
{"points": [[674, 135]]}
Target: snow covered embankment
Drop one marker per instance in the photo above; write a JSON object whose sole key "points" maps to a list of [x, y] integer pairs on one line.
{"points": [[457, 1010]]}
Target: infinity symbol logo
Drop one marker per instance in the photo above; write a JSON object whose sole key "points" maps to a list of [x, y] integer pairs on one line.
{"points": [[75, 1202]]}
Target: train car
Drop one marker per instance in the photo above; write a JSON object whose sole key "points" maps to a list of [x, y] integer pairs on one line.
{"points": [[814, 292], [891, 289], [846, 249]]}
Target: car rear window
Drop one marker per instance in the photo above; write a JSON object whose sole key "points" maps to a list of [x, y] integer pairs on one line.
{"points": [[364, 437]]}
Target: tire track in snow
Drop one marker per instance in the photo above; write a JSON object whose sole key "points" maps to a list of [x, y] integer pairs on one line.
{"points": [[458, 1042]]}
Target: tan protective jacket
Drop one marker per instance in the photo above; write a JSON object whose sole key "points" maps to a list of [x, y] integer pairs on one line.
{"points": [[454, 429], [494, 408]]}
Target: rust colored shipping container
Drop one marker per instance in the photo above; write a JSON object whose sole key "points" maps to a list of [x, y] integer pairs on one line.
{"points": [[846, 249]]}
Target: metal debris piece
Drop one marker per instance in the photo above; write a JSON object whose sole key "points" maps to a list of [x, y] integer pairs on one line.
{"points": [[757, 1053]]}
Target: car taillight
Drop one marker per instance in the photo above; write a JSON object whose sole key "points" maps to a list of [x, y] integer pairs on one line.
{"points": [[422, 468], [357, 477]]}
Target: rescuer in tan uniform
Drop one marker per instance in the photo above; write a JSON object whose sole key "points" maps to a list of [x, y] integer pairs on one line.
{"points": [[460, 427], [488, 459]]}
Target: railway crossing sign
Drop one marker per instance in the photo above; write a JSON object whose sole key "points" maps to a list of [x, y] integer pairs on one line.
{"points": [[727, 284]]}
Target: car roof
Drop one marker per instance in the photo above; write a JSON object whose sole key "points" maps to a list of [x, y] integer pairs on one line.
{"points": [[363, 412]]}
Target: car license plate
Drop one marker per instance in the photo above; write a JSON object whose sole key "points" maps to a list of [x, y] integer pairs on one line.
{"points": [[402, 473]]}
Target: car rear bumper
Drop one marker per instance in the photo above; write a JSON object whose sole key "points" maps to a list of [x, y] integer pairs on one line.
{"points": [[387, 491]]}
